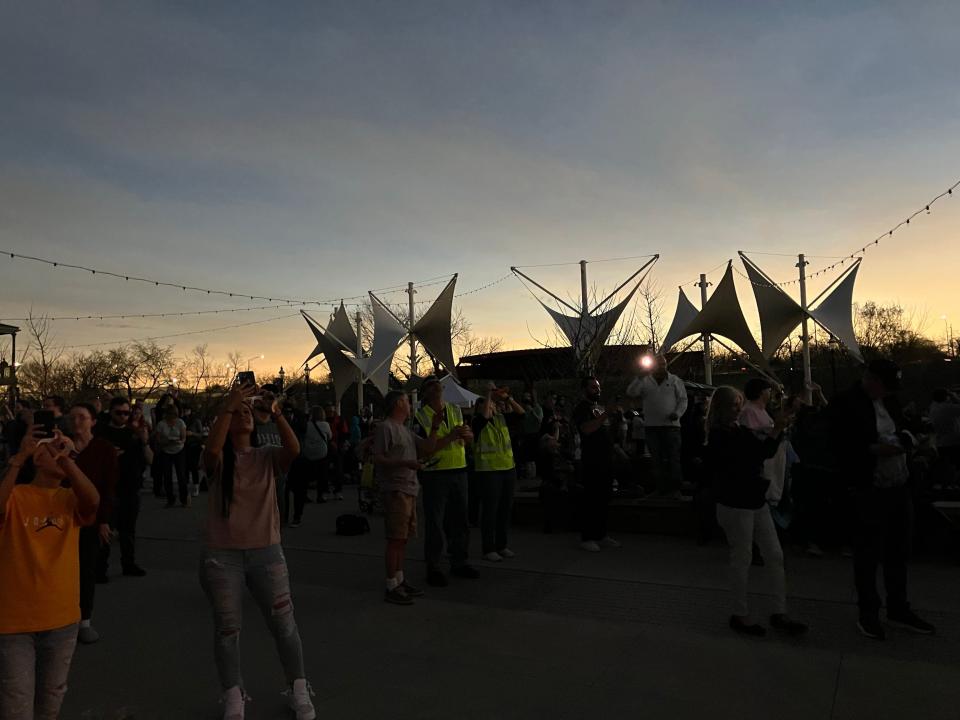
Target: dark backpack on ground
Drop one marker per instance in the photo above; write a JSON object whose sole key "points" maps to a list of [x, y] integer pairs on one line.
{"points": [[352, 525]]}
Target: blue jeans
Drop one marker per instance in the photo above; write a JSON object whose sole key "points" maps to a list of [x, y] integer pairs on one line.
{"points": [[33, 673], [223, 573]]}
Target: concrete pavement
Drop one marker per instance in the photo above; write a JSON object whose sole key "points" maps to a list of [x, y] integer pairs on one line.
{"points": [[554, 633]]}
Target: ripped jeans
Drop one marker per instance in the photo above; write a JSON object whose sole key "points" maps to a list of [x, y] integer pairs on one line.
{"points": [[223, 573], [33, 673]]}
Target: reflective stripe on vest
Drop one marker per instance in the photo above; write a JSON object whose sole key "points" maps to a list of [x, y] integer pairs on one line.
{"points": [[493, 450], [454, 455]]}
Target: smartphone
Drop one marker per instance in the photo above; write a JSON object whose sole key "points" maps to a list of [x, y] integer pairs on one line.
{"points": [[45, 419], [246, 377]]}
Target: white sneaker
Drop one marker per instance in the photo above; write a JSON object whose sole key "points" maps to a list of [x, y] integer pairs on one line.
{"points": [[339, 496], [298, 698], [609, 542], [234, 702], [196, 491], [590, 546], [507, 553], [493, 557]]}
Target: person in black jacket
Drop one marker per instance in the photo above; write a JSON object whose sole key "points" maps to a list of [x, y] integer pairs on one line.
{"points": [[734, 457], [872, 453]]}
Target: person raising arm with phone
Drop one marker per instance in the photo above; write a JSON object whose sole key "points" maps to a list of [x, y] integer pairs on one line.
{"points": [[40, 523], [445, 486], [242, 546]]}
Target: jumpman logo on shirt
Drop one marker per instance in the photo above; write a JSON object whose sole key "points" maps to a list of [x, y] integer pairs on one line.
{"points": [[50, 521]]}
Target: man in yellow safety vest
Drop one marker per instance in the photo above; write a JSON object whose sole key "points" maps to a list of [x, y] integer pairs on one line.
{"points": [[495, 471], [444, 486]]}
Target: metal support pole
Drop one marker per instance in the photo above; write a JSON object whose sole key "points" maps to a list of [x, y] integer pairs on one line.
{"points": [[584, 311], [707, 359], [585, 300], [359, 356], [14, 390], [413, 349], [805, 332]]}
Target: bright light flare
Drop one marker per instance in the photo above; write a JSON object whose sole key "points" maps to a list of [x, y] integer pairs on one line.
{"points": [[646, 362]]}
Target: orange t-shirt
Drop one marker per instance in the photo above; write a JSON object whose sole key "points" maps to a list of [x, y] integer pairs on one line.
{"points": [[39, 560]]}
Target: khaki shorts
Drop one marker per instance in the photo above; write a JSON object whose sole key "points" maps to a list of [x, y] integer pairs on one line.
{"points": [[400, 515]]}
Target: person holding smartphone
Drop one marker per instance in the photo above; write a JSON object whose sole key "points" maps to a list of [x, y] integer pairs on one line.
{"points": [[445, 486], [242, 546], [494, 469], [40, 523], [734, 457], [873, 457]]}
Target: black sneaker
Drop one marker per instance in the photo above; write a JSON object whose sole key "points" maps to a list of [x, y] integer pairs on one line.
{"points": [[908, 620], [785, 625], [411, 590], [743, 628], [870, 626], [465, 571], [397, 596], [134, 570], [436, 578]]}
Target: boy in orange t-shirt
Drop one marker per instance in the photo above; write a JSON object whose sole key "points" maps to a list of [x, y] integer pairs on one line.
{"points": [[39, 572]]}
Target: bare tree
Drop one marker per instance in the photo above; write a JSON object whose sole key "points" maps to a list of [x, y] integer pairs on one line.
{"points": [[89, 373], [42, 354], [155, 364], [234, 360], [125, 367], [651, 300], [891, 330], [196, 368]]}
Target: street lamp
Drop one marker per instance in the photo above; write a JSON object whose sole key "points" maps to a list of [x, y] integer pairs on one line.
{"points": [[280, 376], [306, 386], [255, 357]]}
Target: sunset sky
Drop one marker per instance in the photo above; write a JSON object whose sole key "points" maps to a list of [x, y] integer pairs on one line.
{"points": [[319, 150]]}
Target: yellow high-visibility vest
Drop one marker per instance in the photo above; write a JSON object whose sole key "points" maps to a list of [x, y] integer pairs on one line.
{"points": [[454, 455], [492, 450]]}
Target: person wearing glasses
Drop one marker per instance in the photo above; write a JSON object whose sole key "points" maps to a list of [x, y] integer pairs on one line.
{"points": [[132, 443]]}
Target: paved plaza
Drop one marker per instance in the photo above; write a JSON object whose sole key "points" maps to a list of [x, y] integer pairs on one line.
{"points": [[638, 632]]}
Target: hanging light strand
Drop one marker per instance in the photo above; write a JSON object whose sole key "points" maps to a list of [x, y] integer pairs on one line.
{"points": [[858, 253], [193, 288]]}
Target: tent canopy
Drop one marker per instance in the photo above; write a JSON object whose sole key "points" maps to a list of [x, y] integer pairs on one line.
{"points": [[457, 394]]}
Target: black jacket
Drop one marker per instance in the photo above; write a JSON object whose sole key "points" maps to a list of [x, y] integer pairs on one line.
{"points": [[853, 430], [734, 459]]}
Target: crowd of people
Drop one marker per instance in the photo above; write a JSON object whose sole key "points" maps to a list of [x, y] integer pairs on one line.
{"points": [[840, 472]]}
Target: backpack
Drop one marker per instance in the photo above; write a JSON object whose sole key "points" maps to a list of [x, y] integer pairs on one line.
{"points": [[352, 525]]}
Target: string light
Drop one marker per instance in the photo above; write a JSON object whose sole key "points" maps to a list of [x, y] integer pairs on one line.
{"points": [[159, 315], [858, 254], [192, 288]]}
